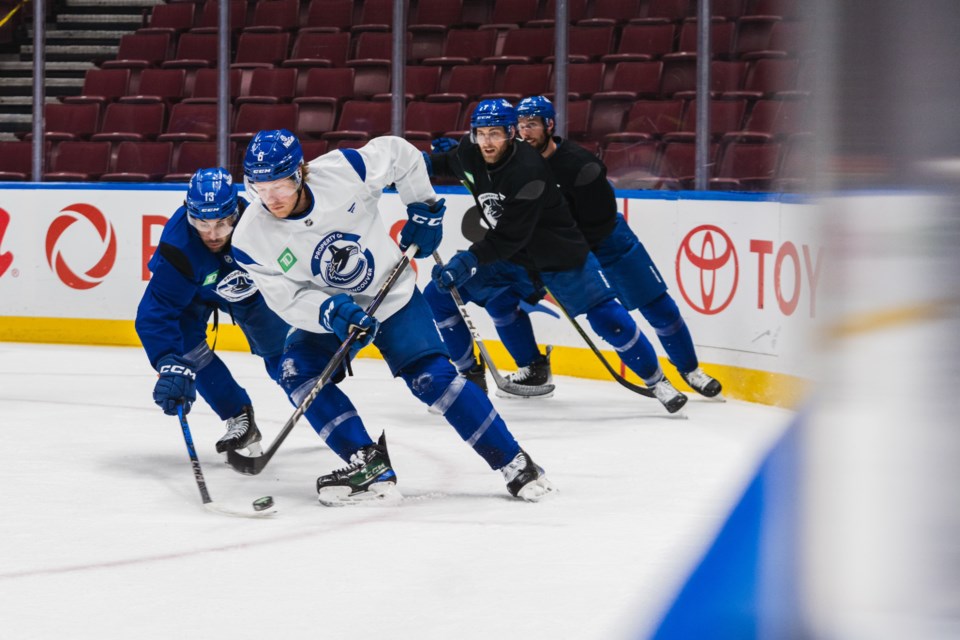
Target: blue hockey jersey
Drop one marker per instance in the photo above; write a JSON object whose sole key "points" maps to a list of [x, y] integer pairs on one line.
{"points": [[190, 281]]}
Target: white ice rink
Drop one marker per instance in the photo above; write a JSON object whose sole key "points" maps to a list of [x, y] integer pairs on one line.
{"points": [[103, 535]]}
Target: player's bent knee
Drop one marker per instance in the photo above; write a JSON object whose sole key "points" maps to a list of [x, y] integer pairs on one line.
{"points": [[662, 314], [611, 321], [433, 380]]}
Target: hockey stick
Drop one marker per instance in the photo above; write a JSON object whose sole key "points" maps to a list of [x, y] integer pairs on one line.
{"points": [[528, 391], [644, 391], [252, 465], [202, 484]]}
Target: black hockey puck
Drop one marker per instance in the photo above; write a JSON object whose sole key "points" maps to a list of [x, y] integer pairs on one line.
{"points": [[261, 504]]}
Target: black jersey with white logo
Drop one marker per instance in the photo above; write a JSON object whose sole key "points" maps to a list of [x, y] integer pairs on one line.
{"points": [[583, 180], [528, 219]]}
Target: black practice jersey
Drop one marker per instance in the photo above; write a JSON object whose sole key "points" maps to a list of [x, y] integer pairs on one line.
{"points": [[528, 220], [583, 180]]}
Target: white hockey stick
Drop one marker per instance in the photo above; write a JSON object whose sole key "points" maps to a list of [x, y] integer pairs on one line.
{"points": [[528, 391]]}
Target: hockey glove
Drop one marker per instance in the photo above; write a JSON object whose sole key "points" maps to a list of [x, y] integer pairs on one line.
{"points": [[442, 145], [341, 315], [424, 228], [461, 268], [177, 384]]}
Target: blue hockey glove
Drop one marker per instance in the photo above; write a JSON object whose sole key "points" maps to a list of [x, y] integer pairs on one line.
{"points": [[442, 145], [427, 161], [424, 228], [460, 269], [177, 384], [341, 315]]}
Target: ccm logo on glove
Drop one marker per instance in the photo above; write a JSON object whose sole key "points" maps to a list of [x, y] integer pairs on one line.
{"points": [[178, 369]]}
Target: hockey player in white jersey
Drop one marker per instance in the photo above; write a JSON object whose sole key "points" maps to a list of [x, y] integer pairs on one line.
{"points": [[315, 245]]}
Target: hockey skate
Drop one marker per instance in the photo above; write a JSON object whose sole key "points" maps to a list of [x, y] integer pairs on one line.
{"points": [[526, 479], [477, 374], [536, 374], [702, 383], [242, 433], [665, 392], [368, 479]]}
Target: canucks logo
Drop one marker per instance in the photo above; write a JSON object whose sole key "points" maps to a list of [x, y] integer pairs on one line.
{"points": [[492, 207], [341, 262], [236, 286]]}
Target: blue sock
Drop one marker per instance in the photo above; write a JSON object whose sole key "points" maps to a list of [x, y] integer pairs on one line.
{"points": [[664, 316], [613, 323], [468, 410], [454, 331], [218, 387], [514, 328]]}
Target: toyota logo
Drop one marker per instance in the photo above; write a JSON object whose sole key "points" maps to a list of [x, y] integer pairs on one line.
{"points": [[707, 269], [95, 274], [6, 257]]}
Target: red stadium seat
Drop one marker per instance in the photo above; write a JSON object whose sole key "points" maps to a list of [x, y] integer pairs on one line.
{"points": [[788, 9], [428, 120], [616, 12], [329, 16], [770, 119], [319, 49], [253, 117], [171, 18], [753, 33], [675, 10], [767, 76], [509, 14], [361, 120], [630, 165], [377, 15], [651, 118], [270, 16], [643, 42], [261, 50], [159, 85], [746, 165], [140, 162], [588, 44], [576, 12], [16, 160], [465, 46], [721, 36], [466, 82], [132, 121], [78, 161], [189, 157], [69, 121], [195, 122], [195, 50], [520, 80], [640, 79], [206, 85], [583, 80], [102, 86], [209, 19], [140, 50], [270, 86], [725, 115]]}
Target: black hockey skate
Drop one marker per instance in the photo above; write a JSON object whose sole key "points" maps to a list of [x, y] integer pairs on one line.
{"points": [[368, 478], [671, 399], [536, 374], [477, 374], [702, 383], [526, 479], [242, 433]]}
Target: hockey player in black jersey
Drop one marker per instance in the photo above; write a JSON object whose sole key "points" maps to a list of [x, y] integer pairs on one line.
{"points": [[582, 178], [530, 228]]}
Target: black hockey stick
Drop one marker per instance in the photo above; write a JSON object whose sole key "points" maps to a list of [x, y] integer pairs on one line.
{"points": [[202, 483], [528, 391], [644, 391], [252, 465]]}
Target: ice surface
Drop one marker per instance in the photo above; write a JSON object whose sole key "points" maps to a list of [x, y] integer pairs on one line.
{"points": [[103, 535]]}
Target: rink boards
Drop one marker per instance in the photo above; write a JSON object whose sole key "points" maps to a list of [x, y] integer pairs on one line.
{"points": [[747, 271]]}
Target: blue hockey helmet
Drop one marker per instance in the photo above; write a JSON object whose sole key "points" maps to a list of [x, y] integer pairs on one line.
{"points": [[538, 106], [210, 195], [273, 155], [493, 113]]}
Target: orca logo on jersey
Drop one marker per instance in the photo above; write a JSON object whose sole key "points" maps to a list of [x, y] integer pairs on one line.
{"points": [[236, 286], [55, 248], [492, 207], [342, 263]]}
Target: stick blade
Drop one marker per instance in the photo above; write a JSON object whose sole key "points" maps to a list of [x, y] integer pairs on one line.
{"points": [[513, 390], [247, 465]]}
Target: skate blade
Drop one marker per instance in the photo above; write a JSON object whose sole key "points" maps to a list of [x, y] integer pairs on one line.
{"points": [[377, 494], [537, 490]]}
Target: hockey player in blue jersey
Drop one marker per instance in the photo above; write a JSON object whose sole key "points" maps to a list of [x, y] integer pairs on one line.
{"points": [[582, 178], [530, 230], [194, 277], [315, 245]]}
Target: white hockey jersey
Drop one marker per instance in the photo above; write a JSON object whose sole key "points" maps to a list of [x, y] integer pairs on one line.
{"points": [[340, 245]]}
